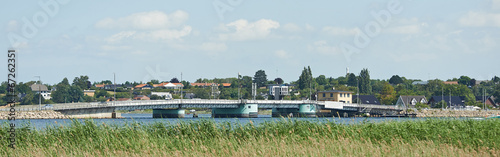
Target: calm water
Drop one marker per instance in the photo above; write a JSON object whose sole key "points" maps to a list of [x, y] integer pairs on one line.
{"points": [[148, 118]]}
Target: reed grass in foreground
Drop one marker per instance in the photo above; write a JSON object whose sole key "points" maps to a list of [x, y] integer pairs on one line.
{"points": [[435, 137]]}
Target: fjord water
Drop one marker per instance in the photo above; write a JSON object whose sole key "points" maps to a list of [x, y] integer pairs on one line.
{"points": [[148, 119]]}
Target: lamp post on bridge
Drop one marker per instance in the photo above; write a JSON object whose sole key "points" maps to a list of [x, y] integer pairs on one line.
{"points": [[39, 92]]}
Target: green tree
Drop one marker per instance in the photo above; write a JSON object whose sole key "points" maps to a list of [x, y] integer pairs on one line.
{"points": [[364, 82], [278, 81], [352, 80], [305, 79], [173, 80], [82, 82], [395, 80], [321, 80], [465, 80], [101, 93], [260, 78], [470, 100], [388, 95]]}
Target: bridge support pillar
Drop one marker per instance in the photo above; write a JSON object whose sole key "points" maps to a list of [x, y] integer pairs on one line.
{"points": [[168, 113], [244, 111], [304, 110]]}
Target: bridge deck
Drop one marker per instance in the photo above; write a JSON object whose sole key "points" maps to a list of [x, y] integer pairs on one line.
{"points": [[198, 103]]}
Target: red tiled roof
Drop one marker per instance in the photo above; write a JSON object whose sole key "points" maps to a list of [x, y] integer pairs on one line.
{"points": [[226, 84], [450, 82], [100, 85], [140, 86]]}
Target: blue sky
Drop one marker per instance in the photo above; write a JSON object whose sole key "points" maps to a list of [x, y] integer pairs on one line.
{"points": [[218, 38]]}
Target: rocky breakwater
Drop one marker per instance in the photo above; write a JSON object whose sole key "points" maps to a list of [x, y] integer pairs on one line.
{"points": [[35, 115], [455, 113]]}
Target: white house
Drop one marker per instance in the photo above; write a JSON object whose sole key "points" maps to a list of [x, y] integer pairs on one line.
{"points": [[173, 85], [36, 88], [410, 101], [167, 95]]}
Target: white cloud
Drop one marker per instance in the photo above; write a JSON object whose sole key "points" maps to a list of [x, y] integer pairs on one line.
{"points": [[340, 31], [495, 4], [290, 27], [120, 36], [309, 27], [282, 54], [148, 26], [480, 19], [211, 46], [323, 48], [164, 34], [241, 30], [145, 21]]}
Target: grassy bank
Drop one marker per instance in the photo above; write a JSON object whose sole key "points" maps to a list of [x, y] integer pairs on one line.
{"points": [[283, 138]]}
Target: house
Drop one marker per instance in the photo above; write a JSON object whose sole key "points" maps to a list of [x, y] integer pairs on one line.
{"points": [[365, 99], [167, 95], [335, 95], [410, 101], [40, 88], [189, 96], [488, 100], [116, 86], [173, 85], [143, 86], [89, 92], [225, 85], [420, 83], [100, 86], [141, 97], [124, 99], [451, 82], [283, 89], [203, 84], [453, 101]]}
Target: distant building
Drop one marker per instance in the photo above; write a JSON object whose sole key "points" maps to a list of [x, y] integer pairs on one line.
{"points": [[141, 97], [89, 92], [167, 95], [335, 95], [451, 82], [420, 83], [189, 96], [365, 99], [453, 101], [143, 86], [173, 85], [410, 101], [38, 88]]}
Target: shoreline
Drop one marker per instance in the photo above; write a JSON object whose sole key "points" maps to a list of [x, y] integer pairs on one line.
{"points": [[50, 114]]}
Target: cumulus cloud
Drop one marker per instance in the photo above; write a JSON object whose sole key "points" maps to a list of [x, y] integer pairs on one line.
{"points": [[145, 21], [495, 4], [340, 31], [241, 30], [480, 19], [323, 48], [147, 26]]}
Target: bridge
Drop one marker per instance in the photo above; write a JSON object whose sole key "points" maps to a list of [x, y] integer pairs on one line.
{"points": [[220, 108]]}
